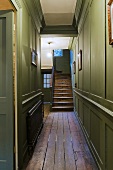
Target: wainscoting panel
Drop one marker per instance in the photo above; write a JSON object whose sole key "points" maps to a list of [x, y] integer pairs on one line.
{"points": [[2, 138], [86, 120], [97, 125], [108, 147], [24, 139], [76, 104], [81, 110], [95, 131]]}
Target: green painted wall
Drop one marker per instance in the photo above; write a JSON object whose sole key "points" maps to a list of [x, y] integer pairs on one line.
{"points": [[29, 82], [63, 63], [94, 81], [97, 29]]}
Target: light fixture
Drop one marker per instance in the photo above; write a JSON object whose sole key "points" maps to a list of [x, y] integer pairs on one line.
{"points": [[49, 54]]}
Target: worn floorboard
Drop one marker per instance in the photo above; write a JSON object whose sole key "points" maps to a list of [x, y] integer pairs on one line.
{"points": [[61, 145]]}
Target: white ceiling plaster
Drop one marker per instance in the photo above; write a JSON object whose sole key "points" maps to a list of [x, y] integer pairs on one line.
{"points": [[58, 6], [56, 43], [60, 12], [58, 19]]}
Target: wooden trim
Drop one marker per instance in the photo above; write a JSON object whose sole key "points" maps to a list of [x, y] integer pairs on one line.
{"points": [[95, 103], [30, 98]]}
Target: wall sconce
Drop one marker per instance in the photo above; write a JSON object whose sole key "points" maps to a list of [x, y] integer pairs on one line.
{"points": [[49, 54]]}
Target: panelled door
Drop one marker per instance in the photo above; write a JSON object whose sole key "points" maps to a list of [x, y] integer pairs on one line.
{"points": [[6, 91]]}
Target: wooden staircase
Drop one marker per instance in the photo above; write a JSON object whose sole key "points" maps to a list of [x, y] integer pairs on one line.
{"points": [[62, 97]]}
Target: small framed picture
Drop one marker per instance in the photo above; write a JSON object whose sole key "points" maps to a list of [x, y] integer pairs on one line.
{"points": [[34, 57], [110, 21], [74, 67], [80, 60]]}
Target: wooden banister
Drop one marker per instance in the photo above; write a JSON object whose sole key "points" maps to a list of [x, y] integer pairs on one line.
{"points": [[52, 86]]}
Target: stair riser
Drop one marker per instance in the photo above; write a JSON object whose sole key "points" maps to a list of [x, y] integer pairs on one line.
{"points": [[63, 91], [62, 81], [63, 100], [61, 74], [58, 104], [65, 79], [63, 95], [61, 84], [63, 87], [62, 109]]}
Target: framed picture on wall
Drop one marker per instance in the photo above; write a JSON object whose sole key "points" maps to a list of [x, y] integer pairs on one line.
{"points": [[110, 21], [34, 57], [74, 67], [80, 60]]}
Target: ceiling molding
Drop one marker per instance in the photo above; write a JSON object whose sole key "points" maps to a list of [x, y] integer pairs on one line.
{"points": [[78, 10], [17, 4], [35, 10], [65, 29]]}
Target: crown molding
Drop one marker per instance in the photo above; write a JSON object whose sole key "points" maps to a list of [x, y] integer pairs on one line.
{"points": [[35, 10], [60, 30], [78, 10], [17, 4]]}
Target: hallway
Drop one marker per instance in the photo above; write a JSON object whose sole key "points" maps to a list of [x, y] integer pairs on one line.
{"points": [[61, 145]]}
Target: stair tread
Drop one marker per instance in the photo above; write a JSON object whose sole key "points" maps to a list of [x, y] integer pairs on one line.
{"points": [[62, 89], [62, 106], [62, 97], [63, 78], [62, 84], [62, 102], [62, 93]]}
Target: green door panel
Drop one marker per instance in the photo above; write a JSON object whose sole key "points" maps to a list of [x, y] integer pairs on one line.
{"points": [[6, 90]]}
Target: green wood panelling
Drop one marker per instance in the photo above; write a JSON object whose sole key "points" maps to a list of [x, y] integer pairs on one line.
{"points": [[6, 90], [97, 48], [109, 147], [63, 63], [86, 116], [28, 75], [95, 130], [3, 59], [86, 55], [35, 11], [80, 111], [95, 80]]}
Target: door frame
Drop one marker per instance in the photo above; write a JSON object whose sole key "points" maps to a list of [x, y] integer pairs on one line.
{"points": [[18, 29], [18, 108]]}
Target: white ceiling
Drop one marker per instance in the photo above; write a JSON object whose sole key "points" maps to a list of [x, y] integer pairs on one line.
{"points": [[56, 12], [56, 43], [59, 12]]}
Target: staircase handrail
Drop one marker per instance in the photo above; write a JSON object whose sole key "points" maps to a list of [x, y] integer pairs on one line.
{"points": [[52, 84]]}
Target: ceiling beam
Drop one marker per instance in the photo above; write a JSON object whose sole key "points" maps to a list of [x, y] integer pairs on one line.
{"points": [[59, 30]]}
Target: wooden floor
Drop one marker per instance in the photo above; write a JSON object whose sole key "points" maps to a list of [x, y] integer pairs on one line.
{"points": [[61, 145]]}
